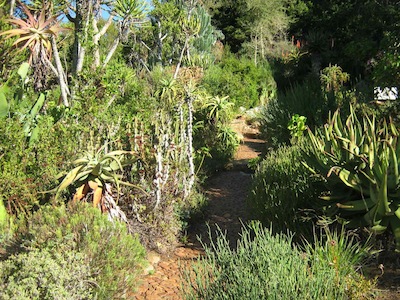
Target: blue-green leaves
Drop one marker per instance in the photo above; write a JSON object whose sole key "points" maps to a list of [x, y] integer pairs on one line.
{"points": [[359, 160]]}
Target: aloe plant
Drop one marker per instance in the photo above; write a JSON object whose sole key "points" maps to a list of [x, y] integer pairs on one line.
{"points": [[95, 171], [359, 159], [38, 33]]}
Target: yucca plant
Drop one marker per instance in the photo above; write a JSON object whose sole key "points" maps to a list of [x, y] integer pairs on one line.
{"points": [[359, 160], [94, 172]]}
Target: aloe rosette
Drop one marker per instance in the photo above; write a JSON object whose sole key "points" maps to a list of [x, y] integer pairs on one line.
{"points": [[359, 160]]}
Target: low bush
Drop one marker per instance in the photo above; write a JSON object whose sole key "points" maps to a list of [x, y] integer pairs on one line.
{"points": [[268, 266], [45, 274], [240, 79], [27, 169], [282, 190], [112, 254]]}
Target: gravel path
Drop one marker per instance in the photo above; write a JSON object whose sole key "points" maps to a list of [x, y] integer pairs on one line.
{"points": [[227, 192]]}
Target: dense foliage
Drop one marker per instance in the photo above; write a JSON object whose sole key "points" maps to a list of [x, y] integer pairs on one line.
{"points": [[126, 104], [283, 192]]}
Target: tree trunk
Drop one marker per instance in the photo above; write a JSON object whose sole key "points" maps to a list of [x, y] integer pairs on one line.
{"points": [[12, 7], [181, 58], [83, 12], [96, 38], [111, 52], [62, 78]]}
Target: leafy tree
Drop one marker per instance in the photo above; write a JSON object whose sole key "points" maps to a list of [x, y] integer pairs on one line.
{"points": [[233, 18], [351, 32], [268, 31], [180, 33]]}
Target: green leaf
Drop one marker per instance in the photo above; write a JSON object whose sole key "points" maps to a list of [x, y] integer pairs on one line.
{"points": [[395, 224], [37, 106], [3, 214], [23, 71], [357, 205], [34, 135], [4, 109], [68, 180]]}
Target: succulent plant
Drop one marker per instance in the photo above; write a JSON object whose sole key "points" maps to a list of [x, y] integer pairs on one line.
{"points": [[94, 172], [359, 160]]}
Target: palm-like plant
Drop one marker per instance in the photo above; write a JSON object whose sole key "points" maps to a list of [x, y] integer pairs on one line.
{"points": [[34, 33], [38, 33]]}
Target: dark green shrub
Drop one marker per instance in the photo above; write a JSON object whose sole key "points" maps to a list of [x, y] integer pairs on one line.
{"points": [[244, 82], [281, 188], [114, 256], [305, 99], [44, 274], [267, 266]]}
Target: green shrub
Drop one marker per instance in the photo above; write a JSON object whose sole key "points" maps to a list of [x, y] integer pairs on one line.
{"points": [[281, 188], [244, 82], [114, 256], [43, 274], [306, 99], [267, 266], [29, 169]]}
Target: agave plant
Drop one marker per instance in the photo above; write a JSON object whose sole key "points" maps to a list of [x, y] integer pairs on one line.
{"points": [[359, 160], [94, 172]]}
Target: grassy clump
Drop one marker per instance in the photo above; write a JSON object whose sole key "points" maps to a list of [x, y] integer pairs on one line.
{"points": [[268, 266], [305, 99]]}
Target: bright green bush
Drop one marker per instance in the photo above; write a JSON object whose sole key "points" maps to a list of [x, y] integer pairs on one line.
{"points": [[267, 266], [214, 140], [43, 274], [244, 82], [114, 256], [281, 188]]}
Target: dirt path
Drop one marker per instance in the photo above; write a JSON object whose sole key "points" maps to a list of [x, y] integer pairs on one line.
{"points": [[227, 192]]}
